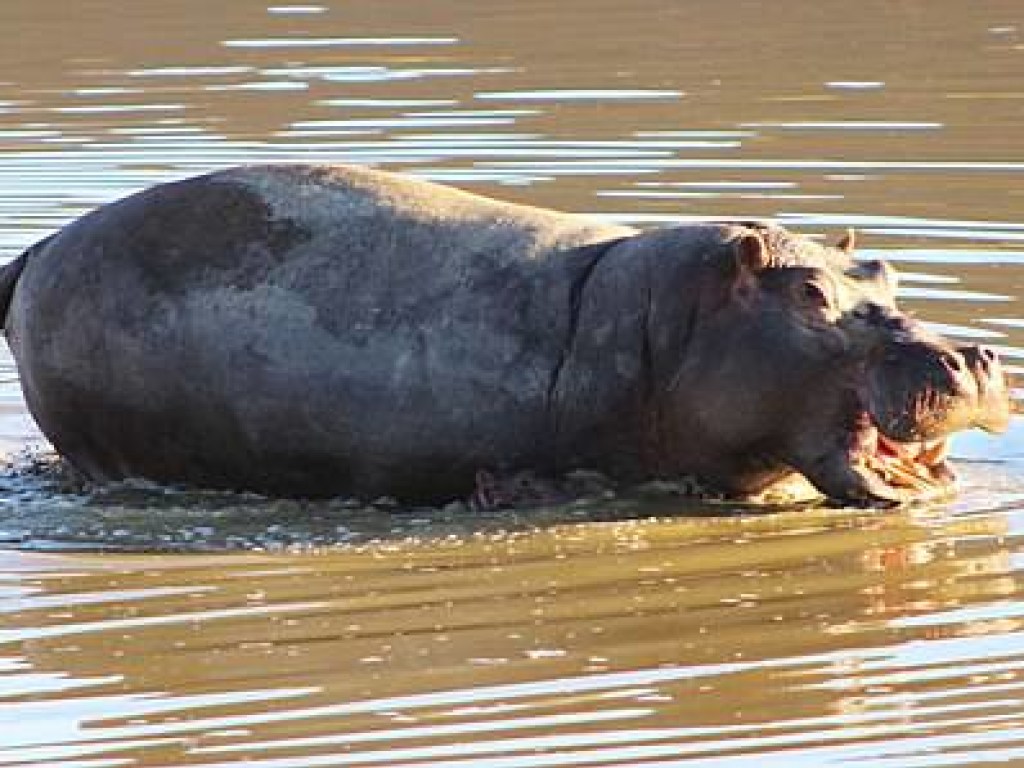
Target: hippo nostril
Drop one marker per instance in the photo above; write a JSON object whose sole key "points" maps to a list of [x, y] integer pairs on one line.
{"points": [[872, 313], [983, 360], [953, 362], [895, 323]]}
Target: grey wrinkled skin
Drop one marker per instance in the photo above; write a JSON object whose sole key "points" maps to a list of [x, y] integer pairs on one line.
{"points": [[313, 331]]}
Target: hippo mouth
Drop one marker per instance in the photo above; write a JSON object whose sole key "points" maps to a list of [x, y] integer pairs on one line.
{"points": [[898, 470], [910, 406]]}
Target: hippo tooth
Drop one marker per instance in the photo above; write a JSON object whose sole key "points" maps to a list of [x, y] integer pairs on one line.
{"points": [[934, 452], [890, 447], [909, 478], [908, 474]]}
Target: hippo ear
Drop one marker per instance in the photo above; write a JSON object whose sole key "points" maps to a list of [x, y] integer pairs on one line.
{"points": [[750, 257], [751, 253], [847, 242]]}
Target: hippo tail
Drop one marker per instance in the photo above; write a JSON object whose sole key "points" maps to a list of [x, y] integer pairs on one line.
{"points": [[9, 275]]}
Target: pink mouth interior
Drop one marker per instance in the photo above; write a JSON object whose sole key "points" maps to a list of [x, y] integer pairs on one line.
{"points": [[919, 465]]}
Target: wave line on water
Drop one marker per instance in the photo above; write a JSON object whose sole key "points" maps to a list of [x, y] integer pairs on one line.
{"points": [[579, 94], [627, 746], [333, 42], [28, 603], [980, 166], [566, 686], [8, 636]]}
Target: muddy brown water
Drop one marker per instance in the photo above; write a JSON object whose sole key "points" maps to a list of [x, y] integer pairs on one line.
{"points": [[145, 626]]}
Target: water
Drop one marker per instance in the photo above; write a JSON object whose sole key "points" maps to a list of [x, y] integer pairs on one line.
{"points": [[145, 626]]}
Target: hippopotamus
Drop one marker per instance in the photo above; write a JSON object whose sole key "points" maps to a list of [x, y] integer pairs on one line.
{"points": [[312, 331]]}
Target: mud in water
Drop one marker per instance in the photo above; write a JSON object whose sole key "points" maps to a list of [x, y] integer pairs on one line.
{"points": [[149, 626]]}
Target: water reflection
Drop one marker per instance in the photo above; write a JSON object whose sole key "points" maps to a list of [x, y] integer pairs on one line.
{"points": [[585, 644]]}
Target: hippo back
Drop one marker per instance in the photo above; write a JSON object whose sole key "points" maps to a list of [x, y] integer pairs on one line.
{"points": [[305, 330]]}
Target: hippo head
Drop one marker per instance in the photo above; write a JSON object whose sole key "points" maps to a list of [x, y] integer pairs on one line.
{"points": [[806, 364]]}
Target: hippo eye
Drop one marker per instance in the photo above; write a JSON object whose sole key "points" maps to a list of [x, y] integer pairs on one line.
{"points": [[813, 293]]}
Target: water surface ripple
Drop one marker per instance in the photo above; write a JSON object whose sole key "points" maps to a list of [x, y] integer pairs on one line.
{"points": [[800, 637]]}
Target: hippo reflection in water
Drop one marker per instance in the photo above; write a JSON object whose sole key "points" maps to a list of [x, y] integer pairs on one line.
{"points": [[314, 330]]}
